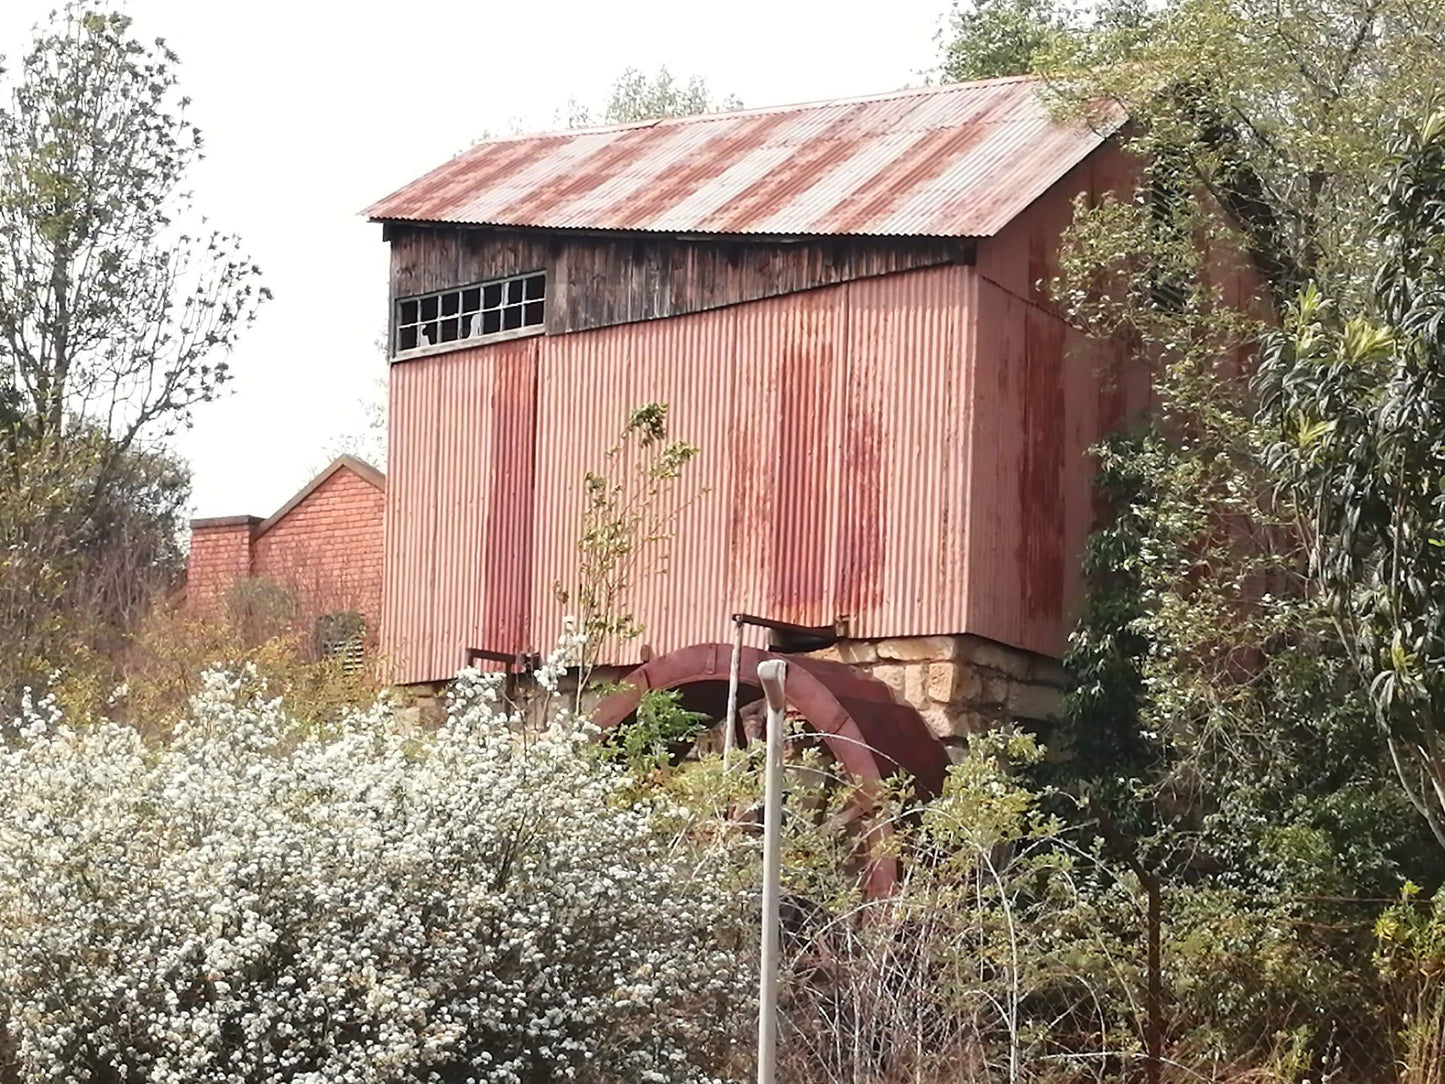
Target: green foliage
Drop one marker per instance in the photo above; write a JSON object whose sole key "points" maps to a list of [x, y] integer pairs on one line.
{"points": [[114, 315], [1107, 756], [662, 729], [1412, 936], [1357, 408], [1412, 957], [638, 97], [1278, 112], [990, 38], [1222, 725], [982, 806], [88, 540], [986, 39], [1206, 659], [1006, 953], [114, 321], [628, 519]]}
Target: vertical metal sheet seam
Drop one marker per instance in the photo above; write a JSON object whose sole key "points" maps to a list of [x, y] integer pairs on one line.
{"points": [[882, 456]]}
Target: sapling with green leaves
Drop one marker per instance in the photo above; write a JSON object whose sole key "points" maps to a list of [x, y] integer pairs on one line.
{"points": [[629, 516]]}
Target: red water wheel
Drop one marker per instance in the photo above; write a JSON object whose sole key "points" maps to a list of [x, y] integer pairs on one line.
{"points": [[867, 732]]}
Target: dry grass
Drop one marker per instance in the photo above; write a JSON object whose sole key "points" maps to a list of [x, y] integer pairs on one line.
{"points": [[150, 682], [1425, 1047]]}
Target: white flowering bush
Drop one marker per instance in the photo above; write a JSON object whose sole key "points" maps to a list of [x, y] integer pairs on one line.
{"points": [[250, 902]]}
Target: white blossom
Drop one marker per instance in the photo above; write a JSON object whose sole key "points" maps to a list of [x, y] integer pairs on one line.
{"points": [[255, 901]]}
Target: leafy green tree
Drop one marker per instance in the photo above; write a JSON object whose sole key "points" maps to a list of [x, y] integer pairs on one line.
{"points": [[1259, 130], [116, 311], [637, 97], [990, 38], [986, 39], [1221, 723], [1355, 396], [1276, 114]]}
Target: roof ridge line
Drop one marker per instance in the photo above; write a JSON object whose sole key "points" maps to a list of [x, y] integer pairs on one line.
{"points": [[750, 111], [952, 160]]}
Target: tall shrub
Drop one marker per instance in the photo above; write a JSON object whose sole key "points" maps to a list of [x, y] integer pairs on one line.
{"points": [[255, 901]]}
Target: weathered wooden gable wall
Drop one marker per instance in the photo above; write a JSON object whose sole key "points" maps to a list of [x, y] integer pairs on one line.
{"points": [[597, 280]]}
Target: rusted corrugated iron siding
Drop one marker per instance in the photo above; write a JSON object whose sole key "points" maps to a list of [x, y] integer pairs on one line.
{"points": [[952, 161], [459, 507], [1043, 396], [599, 280], [589, 383], [796, 522], [908, 450], [908, 348]]}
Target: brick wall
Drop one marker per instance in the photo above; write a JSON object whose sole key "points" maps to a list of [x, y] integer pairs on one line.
{"points": [[220, 555], [328, 549], [324, 548]]}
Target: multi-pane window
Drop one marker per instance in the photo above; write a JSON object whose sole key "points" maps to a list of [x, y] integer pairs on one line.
{"points": [[471, 312]]}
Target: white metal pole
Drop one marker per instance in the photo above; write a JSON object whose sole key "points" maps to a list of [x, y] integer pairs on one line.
{"points": [[770, 675], [730, 718]]}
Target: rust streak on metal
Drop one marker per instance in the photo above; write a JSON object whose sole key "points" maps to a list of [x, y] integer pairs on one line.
{"points": [[1041, 467], [836, 143], [687, 173], [924, 161], [612, 158], [950, 161], [908, 447]]}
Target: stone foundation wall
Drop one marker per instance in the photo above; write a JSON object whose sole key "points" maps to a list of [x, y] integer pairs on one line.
{"points": [[960, 684]]}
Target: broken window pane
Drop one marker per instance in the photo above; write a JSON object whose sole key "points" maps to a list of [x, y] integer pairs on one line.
{"points": [[471, 312]]}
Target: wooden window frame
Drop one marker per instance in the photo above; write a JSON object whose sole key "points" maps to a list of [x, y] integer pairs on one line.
{"points": [[470, 314]]}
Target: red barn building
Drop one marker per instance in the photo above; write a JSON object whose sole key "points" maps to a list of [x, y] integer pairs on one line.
{"points": [[318, 558], [840, 304]]}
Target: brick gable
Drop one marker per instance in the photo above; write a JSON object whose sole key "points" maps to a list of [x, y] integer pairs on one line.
{"points": [[324, 547]]}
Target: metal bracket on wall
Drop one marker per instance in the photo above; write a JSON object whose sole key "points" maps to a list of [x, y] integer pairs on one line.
{"points": [[790, 638]]}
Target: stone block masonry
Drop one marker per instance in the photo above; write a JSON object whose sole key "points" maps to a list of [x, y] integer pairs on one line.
{"points": [[960, 684]]}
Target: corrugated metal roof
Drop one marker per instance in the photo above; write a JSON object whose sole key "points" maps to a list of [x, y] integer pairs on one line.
{"points": [[950, 161]]}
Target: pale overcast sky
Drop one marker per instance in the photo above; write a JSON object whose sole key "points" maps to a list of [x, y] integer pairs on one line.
{"points": [[311, 110]]}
